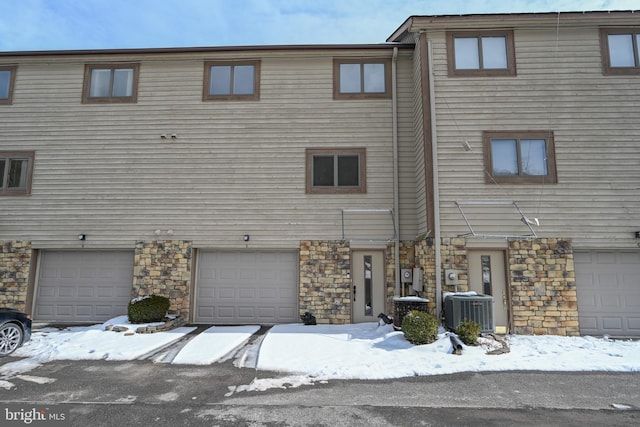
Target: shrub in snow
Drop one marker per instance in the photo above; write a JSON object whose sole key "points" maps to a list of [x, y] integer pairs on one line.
{"points": [[468, 331], [420, 327], [151, 309]]}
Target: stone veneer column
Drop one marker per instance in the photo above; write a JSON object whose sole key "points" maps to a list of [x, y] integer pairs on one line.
{"points": [[426, 259], [164, 268], [543, 287], [15, 264], [454, 256], [325, 280]]}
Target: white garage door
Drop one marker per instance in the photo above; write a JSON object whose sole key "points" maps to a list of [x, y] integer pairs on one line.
{"points": [[247, 287], [83, 286], [608, 286]]}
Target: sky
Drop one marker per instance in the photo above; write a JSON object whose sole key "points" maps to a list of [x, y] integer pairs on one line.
{"points": [[306, 355], [31, 25]]}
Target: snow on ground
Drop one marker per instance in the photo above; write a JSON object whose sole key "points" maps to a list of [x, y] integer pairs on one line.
{"points": [[369, 351], [307, 354], [214, 344]]}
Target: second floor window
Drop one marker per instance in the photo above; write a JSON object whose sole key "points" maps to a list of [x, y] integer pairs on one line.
{"points": [[110, 83], [16, 169], [486, 53], [7, 77], [336, 170], [361, 78], [526, 157], [238, 80], [620, 50]]}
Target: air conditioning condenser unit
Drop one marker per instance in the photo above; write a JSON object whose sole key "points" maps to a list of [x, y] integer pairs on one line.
{"points": [[477, 308]]}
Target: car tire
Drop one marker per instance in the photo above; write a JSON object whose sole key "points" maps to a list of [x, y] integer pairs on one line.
{"points": [[10, 338]]}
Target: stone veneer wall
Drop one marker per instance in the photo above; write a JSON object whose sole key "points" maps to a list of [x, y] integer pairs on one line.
{"points": [[15, 264], [541, 281], [425, 255], [454, 256], [543, 287], [164, 268], [325, 280]]}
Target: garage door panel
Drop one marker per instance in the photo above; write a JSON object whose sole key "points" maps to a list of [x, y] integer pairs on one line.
{"points": [[612, 323], [608, 287], [246, 293], [63, 311], [83, 285], [43, 311], [633, 302], [268, 293], [226, 293], [84, 292], [65, 292], [247, 288], [226, 313], [629, 258], [605, 257]]}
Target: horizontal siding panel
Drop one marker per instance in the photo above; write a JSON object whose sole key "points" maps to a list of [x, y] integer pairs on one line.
{"points": [[235, 167], [559, 87]]}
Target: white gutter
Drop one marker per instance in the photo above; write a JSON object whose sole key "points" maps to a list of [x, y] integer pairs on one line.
{"points": [[396, 200], [436, 186]]}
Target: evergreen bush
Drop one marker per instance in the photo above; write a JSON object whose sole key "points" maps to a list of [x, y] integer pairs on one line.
{"points": [[468, 331], [148, 309], [420, 327]]}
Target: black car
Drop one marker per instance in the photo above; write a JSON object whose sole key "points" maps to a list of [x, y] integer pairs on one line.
{"points": [[15, 329]]}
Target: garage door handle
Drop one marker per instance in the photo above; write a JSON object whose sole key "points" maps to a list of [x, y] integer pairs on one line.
{"points": [[354, 292]]}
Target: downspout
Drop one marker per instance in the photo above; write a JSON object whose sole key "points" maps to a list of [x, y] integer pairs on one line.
{"points": [[396, 197], [436, 186]]}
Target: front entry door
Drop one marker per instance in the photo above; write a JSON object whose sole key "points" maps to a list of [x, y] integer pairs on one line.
{"points": [[487, 276], [368, 286]]}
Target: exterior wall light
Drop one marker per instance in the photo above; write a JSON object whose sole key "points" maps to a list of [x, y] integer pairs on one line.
{"points": [[246, 237], [82, 237]]}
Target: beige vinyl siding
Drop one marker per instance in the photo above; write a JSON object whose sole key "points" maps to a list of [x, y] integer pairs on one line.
{"points": [[559, 87], [236, 167], [418, 126], [407, 161]]}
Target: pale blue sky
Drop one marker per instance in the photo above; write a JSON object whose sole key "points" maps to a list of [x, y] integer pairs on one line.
{"points": [[112, 24]]}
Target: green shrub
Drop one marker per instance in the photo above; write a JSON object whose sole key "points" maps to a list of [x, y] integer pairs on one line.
{"points": [[468, 331], [420, 327], [148, 309]]}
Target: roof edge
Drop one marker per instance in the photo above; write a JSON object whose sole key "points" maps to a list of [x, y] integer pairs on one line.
{"points": [[416, 23], [202, 49]]}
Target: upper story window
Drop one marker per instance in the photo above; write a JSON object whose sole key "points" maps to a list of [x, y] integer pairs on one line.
{"points": [[526, 157], [481, 53], [7, 79], [110, 83], [236, 80], [620, 50], [336, 170], [357, 78], [16, 169]]}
